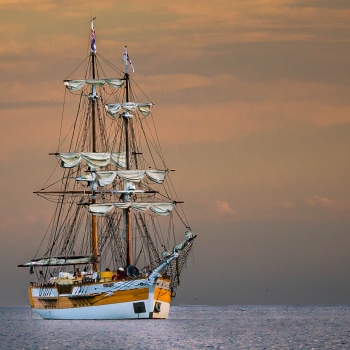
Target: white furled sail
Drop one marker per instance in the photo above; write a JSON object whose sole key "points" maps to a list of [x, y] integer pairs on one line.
{"points": [[74, 85], [105, 178], [160, 208], [59, 261], [93, 159], [70, 160], [128, 106], [131, 175], [100, 209], [103, 209], [157, 176], [96, 160], [145, 108], [114, 108], [119, 159], [115, 83], [140, 206], [95, 82]]}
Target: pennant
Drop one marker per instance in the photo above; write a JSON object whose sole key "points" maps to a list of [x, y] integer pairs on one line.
{"points": [[127, 58], [93, 36]]}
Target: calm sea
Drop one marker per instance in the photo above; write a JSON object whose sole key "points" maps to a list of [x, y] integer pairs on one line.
{"points": [[188, 327]]}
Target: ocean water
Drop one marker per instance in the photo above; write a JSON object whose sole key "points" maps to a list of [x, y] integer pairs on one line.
{"points": [[188, 327]]}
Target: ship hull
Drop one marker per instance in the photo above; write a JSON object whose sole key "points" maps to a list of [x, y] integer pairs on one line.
{"points": [[104, 312], [122, 301]]}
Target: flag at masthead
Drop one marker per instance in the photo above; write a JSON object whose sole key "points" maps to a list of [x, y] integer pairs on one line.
{"points": [[93, 36], [127, 59]]}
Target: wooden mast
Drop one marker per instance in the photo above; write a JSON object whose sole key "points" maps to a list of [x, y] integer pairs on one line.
{"points": [[127, 222], [94, 229]]}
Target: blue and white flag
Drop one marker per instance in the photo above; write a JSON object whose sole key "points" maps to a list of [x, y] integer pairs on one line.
{"points": [[93, 37], [127, 58]]}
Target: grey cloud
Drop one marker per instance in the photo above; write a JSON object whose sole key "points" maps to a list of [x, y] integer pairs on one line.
{"points": [[321, 61], [294, 60], [329, 4]]}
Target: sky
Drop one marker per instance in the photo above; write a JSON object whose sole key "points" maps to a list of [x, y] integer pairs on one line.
{"points": [[252, 111]]}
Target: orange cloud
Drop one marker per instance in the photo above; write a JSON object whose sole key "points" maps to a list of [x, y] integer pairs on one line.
{"points": [[223, 207], [174, 82], [315, 201]]}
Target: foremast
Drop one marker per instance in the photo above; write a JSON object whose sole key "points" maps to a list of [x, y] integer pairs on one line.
{"points": [[126, 212]]}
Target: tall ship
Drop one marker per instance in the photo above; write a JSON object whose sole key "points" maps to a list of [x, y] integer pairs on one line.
{"points": [[118, 239]]}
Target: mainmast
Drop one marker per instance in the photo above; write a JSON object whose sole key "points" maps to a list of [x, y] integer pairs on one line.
{"points": [[94, 228], [126, 212]]}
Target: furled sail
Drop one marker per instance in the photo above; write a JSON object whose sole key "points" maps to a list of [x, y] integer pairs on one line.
{"points": [[74, 85], [131, 175], [93, 160], [156, 176], [160, 208], [119, 159], [70, 160], [105, 178], [60, 261], [96, 160], [115, 108]]}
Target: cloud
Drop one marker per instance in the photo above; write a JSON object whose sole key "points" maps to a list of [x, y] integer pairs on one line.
{"points": [[174, 82], [223, 207], [317, 201], [41, 6], [327, 4], [285, 205]]}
